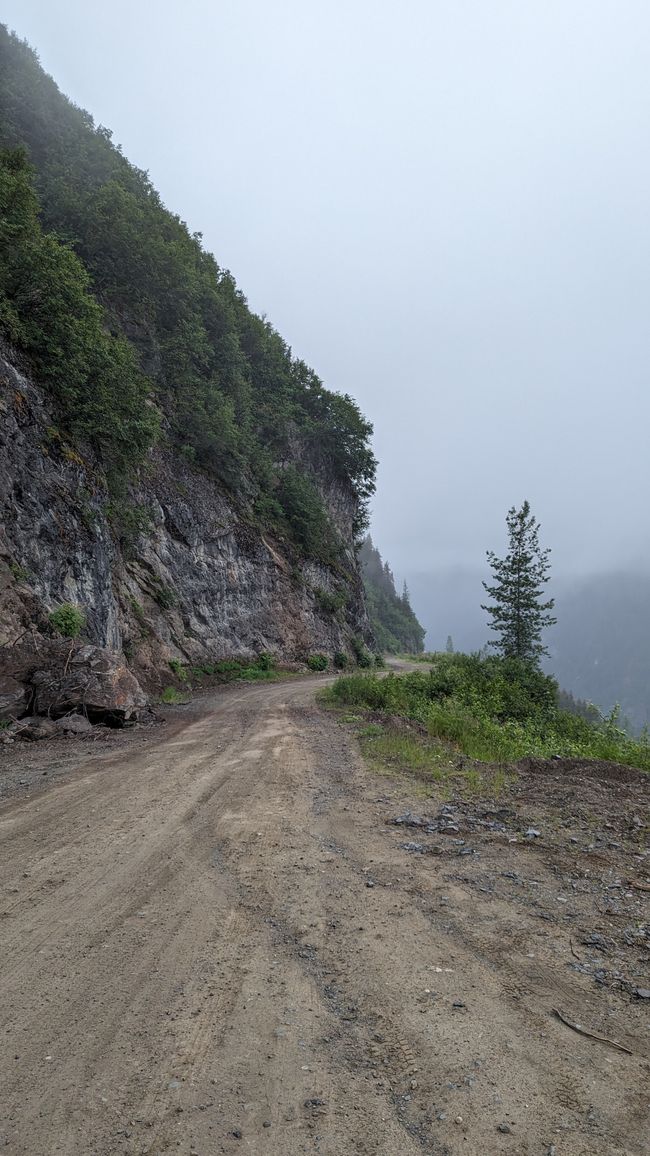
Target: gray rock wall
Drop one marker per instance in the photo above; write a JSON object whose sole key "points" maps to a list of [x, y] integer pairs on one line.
{"points": [[201, 583]]}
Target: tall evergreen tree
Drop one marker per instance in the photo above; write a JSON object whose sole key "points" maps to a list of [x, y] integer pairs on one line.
{"points": [[517, 614]]}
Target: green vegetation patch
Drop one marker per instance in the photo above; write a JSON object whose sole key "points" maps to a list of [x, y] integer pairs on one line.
{"points": [[492, 710], [68, 620]]}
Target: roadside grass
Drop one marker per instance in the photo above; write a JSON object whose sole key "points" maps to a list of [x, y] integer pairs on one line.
{"points": [[489, 710], [173, 697]]}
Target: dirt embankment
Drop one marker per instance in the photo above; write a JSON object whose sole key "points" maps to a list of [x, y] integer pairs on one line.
{"points": [[216, 938]]}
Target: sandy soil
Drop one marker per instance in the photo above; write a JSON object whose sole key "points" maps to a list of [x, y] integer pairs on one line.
{"points": [[213, 939]]}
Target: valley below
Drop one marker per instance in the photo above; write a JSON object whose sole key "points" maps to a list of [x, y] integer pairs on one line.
{"points": [[226, 933]]}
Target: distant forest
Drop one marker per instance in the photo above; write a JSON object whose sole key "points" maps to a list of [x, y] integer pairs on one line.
{"points": [[140, 337], [393, 620]]}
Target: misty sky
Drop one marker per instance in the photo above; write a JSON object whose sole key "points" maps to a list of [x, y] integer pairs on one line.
{"points": [[443, 206]]}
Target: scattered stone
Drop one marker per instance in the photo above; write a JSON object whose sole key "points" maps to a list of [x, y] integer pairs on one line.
{"points": [[370, 883], [314, 1102], [33, 729], [459, 1005], [642, 992], [414, 848], [236, 1133], [408, 819], [74, 724], [533, 833], [458, 1120], [505, 1128], [267, 1124]]}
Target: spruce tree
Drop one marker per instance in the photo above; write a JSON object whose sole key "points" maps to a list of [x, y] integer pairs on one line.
{"points": [[517, 613]]}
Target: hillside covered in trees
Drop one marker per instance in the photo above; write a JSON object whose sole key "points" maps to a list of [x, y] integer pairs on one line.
{"points": [[393, 619], [167, 465], [137, 333]]}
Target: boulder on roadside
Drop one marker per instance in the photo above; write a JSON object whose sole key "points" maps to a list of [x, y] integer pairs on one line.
{"points": [[14, 698], [93, 681]]}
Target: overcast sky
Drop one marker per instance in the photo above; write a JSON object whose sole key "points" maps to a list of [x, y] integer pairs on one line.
{"points": [[443, 206]]}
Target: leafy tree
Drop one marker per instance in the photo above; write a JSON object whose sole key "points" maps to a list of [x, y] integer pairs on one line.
{"points": [[517, 614]]}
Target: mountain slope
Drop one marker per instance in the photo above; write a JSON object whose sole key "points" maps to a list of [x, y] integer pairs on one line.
{"points": [[165, 461], [394, 623]]}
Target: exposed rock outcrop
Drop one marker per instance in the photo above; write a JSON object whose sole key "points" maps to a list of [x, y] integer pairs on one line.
{"points": [[201, 582]]}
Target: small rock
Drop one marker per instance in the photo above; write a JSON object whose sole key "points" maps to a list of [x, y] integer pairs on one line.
{"points": [[533, 833], [458, 1004], [33, 729], [314, 1102], [75, 724], [236, 1133], [505, 1128], [458, 1120], [642, 992], [369, 883], [267, 1124]]}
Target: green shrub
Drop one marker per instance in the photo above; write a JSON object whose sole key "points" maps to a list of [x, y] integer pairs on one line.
{"points": [[172, 697], [179, 668], [329, 602], [265, 661], [317, 662], [18, 573], [361, 653], [340, 660], [68, 620], [165, 597], [378, 659]]}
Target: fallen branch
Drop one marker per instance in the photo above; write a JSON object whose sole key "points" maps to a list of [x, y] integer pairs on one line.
{"points": [[574, 953], [591, 1035]]}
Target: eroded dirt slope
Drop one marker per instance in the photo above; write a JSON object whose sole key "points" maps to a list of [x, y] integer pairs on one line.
{"points": [[213, 939]]}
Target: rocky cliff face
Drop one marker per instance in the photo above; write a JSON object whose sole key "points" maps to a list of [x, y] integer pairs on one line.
{"points": [[202, 582]]}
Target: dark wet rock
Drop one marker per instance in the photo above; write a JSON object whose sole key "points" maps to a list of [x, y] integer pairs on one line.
{"points": [[642, 992], [14, 698], [33, 729]]}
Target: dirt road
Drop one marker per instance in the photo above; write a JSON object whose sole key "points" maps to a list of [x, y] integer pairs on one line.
{"points": [[214, 941]]}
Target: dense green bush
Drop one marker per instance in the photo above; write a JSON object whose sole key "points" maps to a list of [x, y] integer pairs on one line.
{"points": [[317, 662], [69, 620], [362, 655], [47, 310], [340, 660]]}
